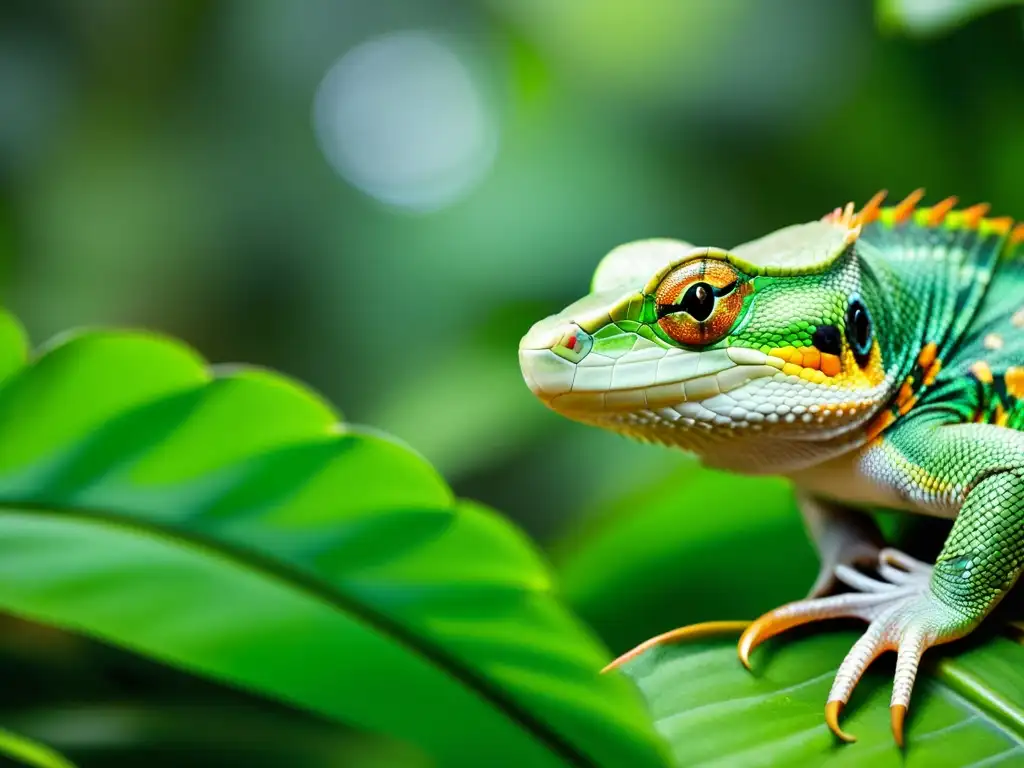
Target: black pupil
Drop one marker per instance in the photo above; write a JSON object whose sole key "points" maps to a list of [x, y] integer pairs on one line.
{"points": [[698, 301], [861, 327], [858, 328]]}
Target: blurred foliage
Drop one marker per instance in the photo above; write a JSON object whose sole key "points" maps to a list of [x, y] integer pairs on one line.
{"points": [[161, 166], [25, 751], [642, 561], [930, 17], [226, 524], [108, 707]]}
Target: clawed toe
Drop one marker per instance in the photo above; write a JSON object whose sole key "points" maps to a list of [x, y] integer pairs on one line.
{"points": [[902, 629], [902, 616], [791, 615], [863, 554]]}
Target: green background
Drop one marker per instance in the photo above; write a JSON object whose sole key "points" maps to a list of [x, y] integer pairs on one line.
{"points": [[165, 166]]}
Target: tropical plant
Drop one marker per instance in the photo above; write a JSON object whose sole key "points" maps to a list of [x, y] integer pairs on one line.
{"points": [[223, 521], [314, 592]]}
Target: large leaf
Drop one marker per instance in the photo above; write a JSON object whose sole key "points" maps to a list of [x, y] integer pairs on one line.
{"points": [[225, 523], [967, 708], [694, 548]]}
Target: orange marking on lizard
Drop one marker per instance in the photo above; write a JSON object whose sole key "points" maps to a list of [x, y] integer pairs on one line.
{"points": [[927, 359], [872, 209], [879, 424], [1015, 381], [906, 398], [807, 357], [811, 357], [831, 364], [906, 393], [974, 214], [938, 212], [1017, 235], [1001, 416], [1001, 225], [929, 363], [927, 356], [905, 209]]}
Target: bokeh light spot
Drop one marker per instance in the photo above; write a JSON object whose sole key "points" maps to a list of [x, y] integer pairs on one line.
{"points": [[402, 118]]}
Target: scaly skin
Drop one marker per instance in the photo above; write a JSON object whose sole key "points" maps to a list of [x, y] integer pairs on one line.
{"points": [[875, 358]]}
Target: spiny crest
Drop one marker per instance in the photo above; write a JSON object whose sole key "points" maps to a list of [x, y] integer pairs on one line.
{"points": [[942, 213], [1017, 236], [845, 219]]}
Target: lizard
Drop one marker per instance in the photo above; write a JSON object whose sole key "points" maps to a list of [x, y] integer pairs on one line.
{"points": [[873, 357]]}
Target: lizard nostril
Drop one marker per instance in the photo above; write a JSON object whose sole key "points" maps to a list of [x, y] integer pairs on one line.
{"points": [[574, 345]]}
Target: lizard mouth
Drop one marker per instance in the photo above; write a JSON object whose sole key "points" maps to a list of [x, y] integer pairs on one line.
{"points": [[647, 377]]}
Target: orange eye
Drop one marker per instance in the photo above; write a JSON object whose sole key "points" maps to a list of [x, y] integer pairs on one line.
{"points": [[699, 302]]}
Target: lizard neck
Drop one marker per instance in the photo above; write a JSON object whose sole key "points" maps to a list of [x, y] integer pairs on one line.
{"points": [[932, 281]]}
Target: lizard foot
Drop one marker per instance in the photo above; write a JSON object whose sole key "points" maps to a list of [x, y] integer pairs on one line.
{"points": [[854, 553], [902, 614]]}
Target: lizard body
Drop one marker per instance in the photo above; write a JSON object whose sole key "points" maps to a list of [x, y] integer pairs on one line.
{"points": [[875, 358]]}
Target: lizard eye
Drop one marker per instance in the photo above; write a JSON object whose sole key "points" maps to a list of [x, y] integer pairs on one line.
{"points": [[859, 329], [698, 303]]}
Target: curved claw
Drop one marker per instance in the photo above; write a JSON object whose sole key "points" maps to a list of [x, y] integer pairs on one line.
{"points": [[766, 626], [897, 714], [804, 612], [759, 631], [832, 710], [753, 636], [690, 632]]}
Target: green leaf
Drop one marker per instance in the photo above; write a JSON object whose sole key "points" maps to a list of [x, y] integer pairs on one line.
{"points": [[696, 547], [30, 753], [933, 17], [225, 523], [966, 709]]}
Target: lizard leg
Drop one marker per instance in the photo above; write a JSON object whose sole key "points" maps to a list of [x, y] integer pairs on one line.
{"points": [[842, 536], [883, 602], [911, 607]]}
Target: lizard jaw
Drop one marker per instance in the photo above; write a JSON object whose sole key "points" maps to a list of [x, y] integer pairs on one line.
{"points": [[647, 378]]}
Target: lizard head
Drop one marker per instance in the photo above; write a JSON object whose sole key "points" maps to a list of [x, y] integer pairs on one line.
{"points": [[755, 358]]}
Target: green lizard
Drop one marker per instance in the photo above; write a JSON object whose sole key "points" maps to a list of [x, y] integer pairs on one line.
{"points": [[875, 358]]}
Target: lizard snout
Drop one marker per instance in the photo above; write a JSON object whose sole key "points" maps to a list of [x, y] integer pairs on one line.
{"points": [[548, 355]]}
